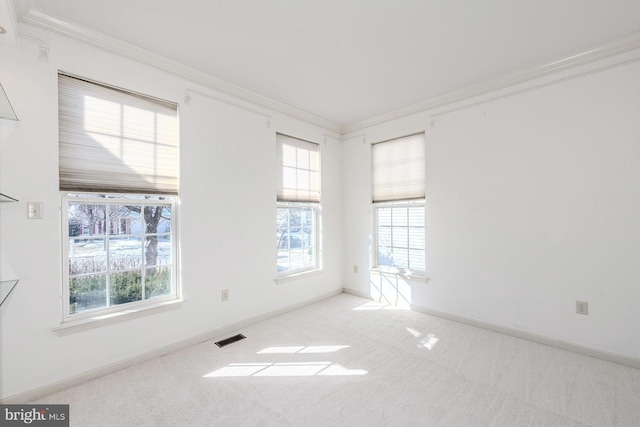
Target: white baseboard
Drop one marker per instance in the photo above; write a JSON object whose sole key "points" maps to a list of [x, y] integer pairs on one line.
{"points": [[541, 339], [45, 390], [357, 293]]}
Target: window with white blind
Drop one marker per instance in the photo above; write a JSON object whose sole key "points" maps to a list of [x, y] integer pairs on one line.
{"points": [[118, 170], [298, 205], [398, 176]]}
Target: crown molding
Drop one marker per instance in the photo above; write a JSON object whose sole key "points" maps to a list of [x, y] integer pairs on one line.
{"points": [[37, 19], [9, 21], [553, 71]]}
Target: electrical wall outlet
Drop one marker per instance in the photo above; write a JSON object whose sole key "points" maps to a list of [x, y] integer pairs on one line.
{"points": [[355, 269], [582, 307], [225, 295]]}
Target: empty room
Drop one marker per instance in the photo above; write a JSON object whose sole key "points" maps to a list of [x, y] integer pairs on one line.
{"points": [[320, 212]]}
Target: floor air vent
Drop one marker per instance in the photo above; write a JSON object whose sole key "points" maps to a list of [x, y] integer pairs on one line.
{"points": [[230, 340]]}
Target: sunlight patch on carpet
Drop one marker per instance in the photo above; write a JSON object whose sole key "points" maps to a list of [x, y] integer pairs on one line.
{"points": [[303, 349], [284, 369]]}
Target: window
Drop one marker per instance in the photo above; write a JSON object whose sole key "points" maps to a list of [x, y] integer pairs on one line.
{"points": [[120, 249], [399, 205], [298, 205], [118, 167]]}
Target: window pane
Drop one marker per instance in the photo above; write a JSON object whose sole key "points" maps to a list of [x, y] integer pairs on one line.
{"points": [[157, 249], [125, 253], [131, 220], [399, 216], [124, 220], [165, 255], [86, 219], [164, 225], [384, 216], [297, 259], [384, 236], [296, 238], [416, 216], [400, 258], [125, 287], [400, 238], [157, 219], [416, 237], [87, 292], [283, 261], [416, 260], [384, 256], [87, 256], [157, 282]]}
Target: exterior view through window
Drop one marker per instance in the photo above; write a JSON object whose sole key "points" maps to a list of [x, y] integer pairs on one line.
{"points": [[401, 236], [296, 237], [120, 250]]}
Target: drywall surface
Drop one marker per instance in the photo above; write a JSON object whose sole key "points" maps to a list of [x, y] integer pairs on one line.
{"points": [[227, 217], [532, 203]]}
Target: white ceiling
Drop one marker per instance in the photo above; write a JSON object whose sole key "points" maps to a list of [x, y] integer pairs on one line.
{"points": [[350, 60]]}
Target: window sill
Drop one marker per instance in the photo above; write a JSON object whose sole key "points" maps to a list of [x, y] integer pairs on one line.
{"points": [[296, 276], [412, 277], [103, 319]]}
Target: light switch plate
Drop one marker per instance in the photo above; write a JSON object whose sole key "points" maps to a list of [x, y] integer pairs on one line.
{"points": [[34, 210]]}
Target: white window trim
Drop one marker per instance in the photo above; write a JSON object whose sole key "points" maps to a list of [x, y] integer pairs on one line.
{"points": [[287, 276], [125, 311], [420, 276], [298, 275], [103, 318]]}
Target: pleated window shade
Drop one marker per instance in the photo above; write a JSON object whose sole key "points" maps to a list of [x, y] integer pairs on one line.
{"points": [[299, 170], [399, 169], [115, 141]]}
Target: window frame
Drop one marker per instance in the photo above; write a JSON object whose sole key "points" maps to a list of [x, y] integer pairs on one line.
{"points": [[118, 200], [376, 237], [305, 195], [398, 178], [88, 174]]}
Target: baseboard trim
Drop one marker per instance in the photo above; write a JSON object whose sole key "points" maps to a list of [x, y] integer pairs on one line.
{"points": [[541, 339], [357, 293], [45, 390]]}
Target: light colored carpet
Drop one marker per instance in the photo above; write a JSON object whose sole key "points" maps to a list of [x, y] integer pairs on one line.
{"points": [[347, 361]]}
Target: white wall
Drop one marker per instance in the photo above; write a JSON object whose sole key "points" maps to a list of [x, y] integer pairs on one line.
{"points": [[533, 200], [227, 217]]}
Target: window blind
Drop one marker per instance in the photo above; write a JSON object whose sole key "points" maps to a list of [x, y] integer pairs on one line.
{"points": [[399, 169], [299, 170], [111, 140]]}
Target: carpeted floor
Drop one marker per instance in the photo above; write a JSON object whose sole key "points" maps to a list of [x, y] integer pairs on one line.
{"points": [[347, 361]]}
